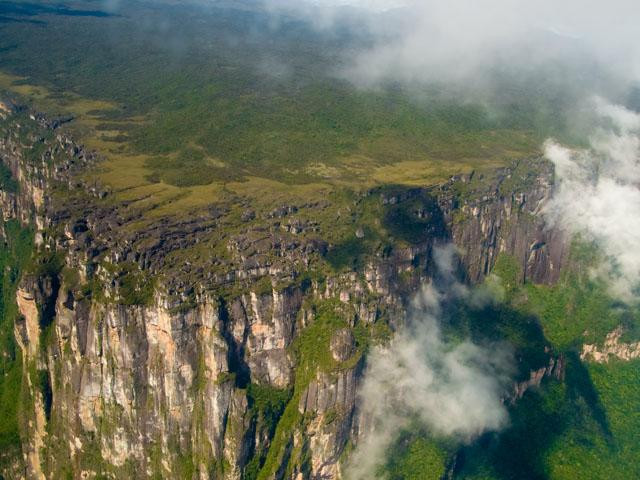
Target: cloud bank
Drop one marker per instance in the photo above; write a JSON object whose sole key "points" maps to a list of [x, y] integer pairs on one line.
{"points": [[453, 390], [458, 38], [598, 194]]}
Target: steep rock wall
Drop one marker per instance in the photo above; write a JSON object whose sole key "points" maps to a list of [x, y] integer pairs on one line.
{"points": [[253, 383], [502, 214]]}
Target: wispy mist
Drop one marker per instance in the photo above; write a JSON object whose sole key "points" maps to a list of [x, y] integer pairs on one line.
{"points": [[598, 193], [590, 47], [459, 39], [528, 63], [422, 380]]}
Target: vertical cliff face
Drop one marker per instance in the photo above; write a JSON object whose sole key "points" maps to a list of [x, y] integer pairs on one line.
{"points": [[128, 372], [498, 215]]}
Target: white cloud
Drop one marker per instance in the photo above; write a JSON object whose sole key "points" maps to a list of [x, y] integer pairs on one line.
{"points": [[368, 5], [454, 390], [598, 194], [417, 40]]}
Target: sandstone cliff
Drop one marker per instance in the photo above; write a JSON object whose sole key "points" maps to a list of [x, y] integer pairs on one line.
{"points": [[245, 365]]}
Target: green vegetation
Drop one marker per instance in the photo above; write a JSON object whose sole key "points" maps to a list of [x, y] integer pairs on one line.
{"points": [[7, 182], [606, 450], [135, 287], [205, 100], [313, 355], [578, 309], [190, 167], [583, 427], [267, 404], [376, 227], [191, 112], [348, 254], [561, 425], [416, 457], [509, 271], [15, 252], [263, 286], [416, 220]]}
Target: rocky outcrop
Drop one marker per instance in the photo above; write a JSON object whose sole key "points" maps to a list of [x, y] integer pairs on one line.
{"points": [[612, 348], [28, 327], [329, 402], [244, 365], [555, 369], [28, 334]]}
